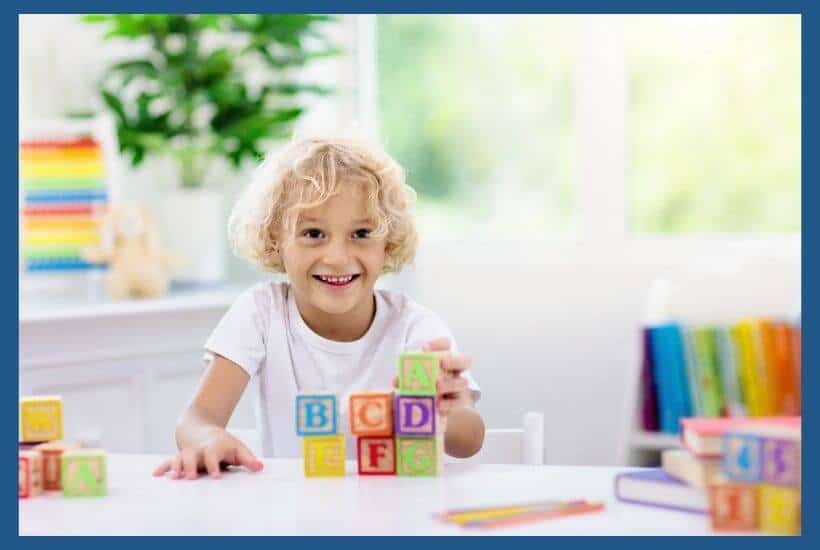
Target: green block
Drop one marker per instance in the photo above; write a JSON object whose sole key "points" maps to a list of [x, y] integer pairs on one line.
{"points": [[83, 473], [416, 456], [418, 373]]}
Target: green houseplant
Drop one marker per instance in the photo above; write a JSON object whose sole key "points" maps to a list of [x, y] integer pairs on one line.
{"points": [[195, 91], [201, 88]]}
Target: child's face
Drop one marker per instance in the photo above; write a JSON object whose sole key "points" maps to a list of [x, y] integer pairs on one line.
{"points": [[332, 240]]}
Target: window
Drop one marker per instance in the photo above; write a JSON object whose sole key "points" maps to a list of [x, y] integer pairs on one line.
{"points": [[478, 110], [714, 123]]}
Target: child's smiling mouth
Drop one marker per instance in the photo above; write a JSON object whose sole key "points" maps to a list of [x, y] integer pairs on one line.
{"points": [[338, 281]]}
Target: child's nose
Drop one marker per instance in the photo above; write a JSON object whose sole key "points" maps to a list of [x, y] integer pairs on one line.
{"points": [[337, 253]]}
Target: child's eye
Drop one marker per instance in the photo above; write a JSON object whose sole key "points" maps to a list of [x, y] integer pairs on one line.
{"points": [[312, 233], [361, 233]]}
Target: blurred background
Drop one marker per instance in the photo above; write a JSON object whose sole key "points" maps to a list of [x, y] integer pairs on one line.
{"points": [[580, 178]]}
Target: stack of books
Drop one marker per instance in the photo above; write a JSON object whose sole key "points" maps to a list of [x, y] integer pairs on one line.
{"points": [[743, 472], [750, 368], [64, 195]]}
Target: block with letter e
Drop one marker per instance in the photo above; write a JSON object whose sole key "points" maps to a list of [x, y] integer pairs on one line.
{"points": [[316, 414], [418, 373], [324, 455], [376, 455], [371, 414]]}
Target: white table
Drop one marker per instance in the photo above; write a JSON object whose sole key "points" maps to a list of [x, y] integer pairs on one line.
{"points": [[280, 500]]}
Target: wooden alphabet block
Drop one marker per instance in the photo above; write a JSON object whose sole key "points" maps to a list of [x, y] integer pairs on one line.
{"points": [[84, 473], [742, 457], [41, 419], [316, 414], [377, 456], [371, 414], [417, 456], [324, 455], [418, 373], [733, 507], [29, 474], [781, 462], [52, 462], [779, 510], [415, 415]]}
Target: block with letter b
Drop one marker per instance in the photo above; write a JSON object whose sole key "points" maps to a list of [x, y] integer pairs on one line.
{"points": [[84, 473], [41, 418], [415, 415], [316, 414], [376, 455], [29, 474], [416, 456], [734, 507], [418, 373], [371, 414], [324, 455]]}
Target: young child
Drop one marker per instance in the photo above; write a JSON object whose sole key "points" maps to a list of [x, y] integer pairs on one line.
{"points": [[333, 215]]}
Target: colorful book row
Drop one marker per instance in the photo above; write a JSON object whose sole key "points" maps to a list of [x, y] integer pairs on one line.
{"points": [[749, 368]]}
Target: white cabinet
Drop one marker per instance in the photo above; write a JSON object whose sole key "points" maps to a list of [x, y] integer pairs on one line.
{"points": [[125, 370]]}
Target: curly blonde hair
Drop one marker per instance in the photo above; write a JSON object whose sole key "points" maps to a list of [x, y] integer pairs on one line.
{"points": [[307, 173]]}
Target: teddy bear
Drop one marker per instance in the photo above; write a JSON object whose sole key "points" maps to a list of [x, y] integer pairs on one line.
{"points": [[138, 266]]}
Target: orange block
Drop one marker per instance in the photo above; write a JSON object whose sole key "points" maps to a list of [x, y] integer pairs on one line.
{"points": [[371, 413], [734, 507], [52, 462]]}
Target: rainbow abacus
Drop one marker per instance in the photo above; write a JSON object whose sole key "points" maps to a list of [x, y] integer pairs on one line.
{"points": [[760, 489], [397, 434], [64, 194], [46, 464]]}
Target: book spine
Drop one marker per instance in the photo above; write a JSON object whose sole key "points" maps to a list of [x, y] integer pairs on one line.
{"points": [[678, 356], [727, 367], [649, 406], [667, 419], [710, 385], [693, 372]]}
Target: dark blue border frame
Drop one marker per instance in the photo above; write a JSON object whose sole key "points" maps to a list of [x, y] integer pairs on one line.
{"points": [[810, 122]]}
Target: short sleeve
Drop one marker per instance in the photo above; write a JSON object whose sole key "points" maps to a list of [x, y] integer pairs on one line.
{"points": [[430, 326], [240, 335]]}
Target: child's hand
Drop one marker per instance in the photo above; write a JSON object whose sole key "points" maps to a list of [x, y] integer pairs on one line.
{"points": [[452, 388], [222, 449]]}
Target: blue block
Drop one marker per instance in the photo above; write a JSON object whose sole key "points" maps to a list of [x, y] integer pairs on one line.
{"points": [[316, 414], [743, 457]]}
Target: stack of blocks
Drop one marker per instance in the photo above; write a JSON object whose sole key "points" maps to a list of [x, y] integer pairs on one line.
{"points": [[395, 435], [761, 489], [47, 464]]}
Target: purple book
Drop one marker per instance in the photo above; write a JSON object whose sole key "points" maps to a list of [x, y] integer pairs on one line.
{"points": [[649, 401], [653, 487]]}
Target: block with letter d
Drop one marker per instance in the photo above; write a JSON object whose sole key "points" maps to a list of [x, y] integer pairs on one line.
{"points": [[415, 415], [316, 414], [371, 414], [418, 373]]}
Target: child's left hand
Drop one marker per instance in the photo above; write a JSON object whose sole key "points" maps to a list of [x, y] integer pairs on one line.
{"points": [[452, 388]]}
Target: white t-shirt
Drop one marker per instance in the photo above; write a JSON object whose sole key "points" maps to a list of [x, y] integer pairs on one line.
{"points": [[264, 334]]}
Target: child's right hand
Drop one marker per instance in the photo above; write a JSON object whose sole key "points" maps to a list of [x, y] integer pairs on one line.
{"points": [[221, 449]]}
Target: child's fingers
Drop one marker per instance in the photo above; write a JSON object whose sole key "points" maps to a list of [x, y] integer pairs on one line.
{"points": [[162, 468], [451, 385], [395, 382], [211, 459], [245, 458], [189, 463], [176, 467], [455, 364], [437, 344]]}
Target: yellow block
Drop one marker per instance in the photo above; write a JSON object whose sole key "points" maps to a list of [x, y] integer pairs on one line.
{"points": [[779, 510], [41, 418], [324, 455]]}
